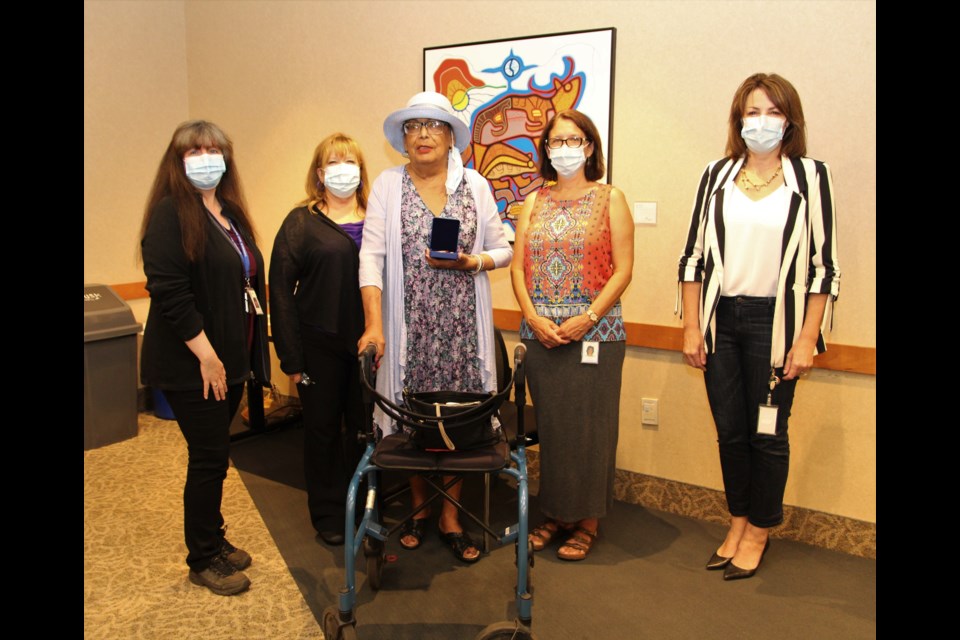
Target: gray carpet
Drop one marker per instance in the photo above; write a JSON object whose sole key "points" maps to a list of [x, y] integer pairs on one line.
{"points": [[643, 579]]}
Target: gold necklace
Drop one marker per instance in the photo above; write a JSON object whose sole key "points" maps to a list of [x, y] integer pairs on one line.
{"points": [[748, 184]]}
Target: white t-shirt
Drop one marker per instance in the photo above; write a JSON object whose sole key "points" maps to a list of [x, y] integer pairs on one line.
{"points": [[753, 235]]}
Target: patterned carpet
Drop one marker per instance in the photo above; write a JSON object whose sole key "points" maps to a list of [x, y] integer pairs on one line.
{"points": [[134, 576]]}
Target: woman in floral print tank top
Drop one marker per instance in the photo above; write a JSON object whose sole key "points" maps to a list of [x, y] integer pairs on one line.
{"points": [[573, 258]]}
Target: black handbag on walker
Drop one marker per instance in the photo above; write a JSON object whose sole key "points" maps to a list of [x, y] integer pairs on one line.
{"points": [[453, 420]]}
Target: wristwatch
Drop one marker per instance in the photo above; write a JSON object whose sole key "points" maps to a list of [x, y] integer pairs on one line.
{"points": [[594, 318]]}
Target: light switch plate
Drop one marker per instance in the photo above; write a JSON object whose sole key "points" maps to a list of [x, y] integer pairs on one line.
{"points": [[645, 213]]}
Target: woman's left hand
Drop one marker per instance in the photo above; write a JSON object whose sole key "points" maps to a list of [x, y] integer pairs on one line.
{"points": [[798, 361], [464, 262], [576, 327]]}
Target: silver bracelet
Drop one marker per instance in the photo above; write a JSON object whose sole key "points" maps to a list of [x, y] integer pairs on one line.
{"points": [[479, 267]]}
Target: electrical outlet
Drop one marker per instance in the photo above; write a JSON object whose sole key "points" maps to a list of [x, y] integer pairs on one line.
{"points": [[651, 411]]}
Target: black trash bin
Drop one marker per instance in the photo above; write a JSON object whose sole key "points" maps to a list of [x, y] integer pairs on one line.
{"points": [[109, 367]]}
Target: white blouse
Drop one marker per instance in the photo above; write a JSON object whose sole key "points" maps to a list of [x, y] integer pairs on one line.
{"points": [[754, 233]]}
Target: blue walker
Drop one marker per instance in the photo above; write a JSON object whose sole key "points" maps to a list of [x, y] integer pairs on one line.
{"points": [[396, 452]]}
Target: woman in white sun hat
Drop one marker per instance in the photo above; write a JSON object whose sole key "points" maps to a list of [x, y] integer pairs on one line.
{"points": [[431, 320]]}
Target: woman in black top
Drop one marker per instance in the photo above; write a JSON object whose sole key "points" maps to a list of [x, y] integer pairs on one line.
{"points": [[317, 319], [205, 333]]}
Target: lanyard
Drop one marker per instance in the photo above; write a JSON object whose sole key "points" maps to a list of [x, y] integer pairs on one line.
{"points": [[236, 241], [242, 250], [773, 382]]}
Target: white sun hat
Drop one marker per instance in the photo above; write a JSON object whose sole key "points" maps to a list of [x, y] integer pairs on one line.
{"points": [[427, 104]]}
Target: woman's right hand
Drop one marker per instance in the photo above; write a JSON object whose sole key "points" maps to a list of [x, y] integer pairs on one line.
{"points": [[295, 378], [214, 377], [212, 372], [693, 352], [372, 336], [546, 332]]}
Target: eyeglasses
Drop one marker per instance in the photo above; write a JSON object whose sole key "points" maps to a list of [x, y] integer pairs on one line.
{"points": [[411, 127], [574, 142]]}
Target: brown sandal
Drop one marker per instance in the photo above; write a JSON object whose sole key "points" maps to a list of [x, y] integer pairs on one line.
{"points": [[578, 544], [543, 534]]}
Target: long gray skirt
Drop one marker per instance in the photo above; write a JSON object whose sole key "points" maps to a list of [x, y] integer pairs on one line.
{"points": [[578, 421]]}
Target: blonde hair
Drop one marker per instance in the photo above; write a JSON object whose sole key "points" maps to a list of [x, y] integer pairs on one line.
{"points": [[341, 145]]}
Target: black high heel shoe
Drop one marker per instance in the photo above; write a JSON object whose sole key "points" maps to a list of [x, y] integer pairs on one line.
{"points": [[717, 561], [733, 572]]}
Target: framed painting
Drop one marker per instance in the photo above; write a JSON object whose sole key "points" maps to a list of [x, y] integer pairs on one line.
{"points": [[507, 90]]}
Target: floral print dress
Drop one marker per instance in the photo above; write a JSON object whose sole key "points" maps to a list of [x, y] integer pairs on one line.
{"points": [[440, 306]]}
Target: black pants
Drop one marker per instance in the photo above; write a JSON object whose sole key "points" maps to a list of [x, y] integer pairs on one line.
{"points": [[332, 418], [754, 465], [205, 425]]}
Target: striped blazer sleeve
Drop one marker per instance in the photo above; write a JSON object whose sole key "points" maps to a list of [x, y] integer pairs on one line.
{"points": [[824, 270], [692, 260]]}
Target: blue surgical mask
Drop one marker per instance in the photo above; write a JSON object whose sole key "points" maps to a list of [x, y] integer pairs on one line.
{"points": [[204, 171], [762, 134], [567, 161], [341, 179]]}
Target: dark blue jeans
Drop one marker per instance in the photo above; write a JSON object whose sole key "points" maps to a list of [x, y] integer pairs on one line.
{"points": [[754, 465], [205, 425]]}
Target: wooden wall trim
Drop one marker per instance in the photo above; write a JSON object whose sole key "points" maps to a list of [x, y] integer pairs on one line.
{"points": [[131, 290], [838, 357]]}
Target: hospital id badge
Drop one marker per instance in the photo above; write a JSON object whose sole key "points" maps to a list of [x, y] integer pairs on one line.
{"points": [[252, 295], [767, 420], [590, 352], [767, 417]]}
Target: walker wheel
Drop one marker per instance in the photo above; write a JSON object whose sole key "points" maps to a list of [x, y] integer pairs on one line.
{"points": [[332, 629], [506, 631]]}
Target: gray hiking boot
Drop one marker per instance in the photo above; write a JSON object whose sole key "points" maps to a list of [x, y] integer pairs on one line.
{"points": [[221, 577]]}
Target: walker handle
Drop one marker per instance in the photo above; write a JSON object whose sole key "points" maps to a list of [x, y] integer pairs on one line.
{"points": [[367, 357], [519, 381]]}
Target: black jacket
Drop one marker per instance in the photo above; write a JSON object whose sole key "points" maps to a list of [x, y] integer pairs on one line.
{"points": [[186, 298], [314, 281]]}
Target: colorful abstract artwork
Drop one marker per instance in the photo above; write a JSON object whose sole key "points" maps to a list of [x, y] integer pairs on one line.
{"points": [[507, 90]]}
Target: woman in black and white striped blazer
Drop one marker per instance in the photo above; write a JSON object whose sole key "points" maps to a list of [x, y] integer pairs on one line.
{"points": [[758, 274]]}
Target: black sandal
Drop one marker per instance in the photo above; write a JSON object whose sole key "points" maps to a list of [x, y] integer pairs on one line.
{"points": [[415, 529], [459, 542]]}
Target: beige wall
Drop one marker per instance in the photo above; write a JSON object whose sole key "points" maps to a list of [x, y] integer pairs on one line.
{"points": [[134, 93], [278, 76]]}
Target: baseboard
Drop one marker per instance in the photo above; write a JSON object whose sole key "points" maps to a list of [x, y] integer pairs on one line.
{"points": [[816, 528]]}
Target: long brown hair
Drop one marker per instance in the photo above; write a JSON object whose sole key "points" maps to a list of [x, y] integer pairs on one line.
{"points": [[785, 97], [171, 181], [340, 144]]}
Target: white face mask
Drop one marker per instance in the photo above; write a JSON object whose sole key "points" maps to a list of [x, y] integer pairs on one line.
{"points": [[205, 171], [567, 161], [341, 179], [763, 133]]}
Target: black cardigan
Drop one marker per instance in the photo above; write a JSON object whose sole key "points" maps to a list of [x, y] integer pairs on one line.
{"points": [[207, 295], [315, 258]]}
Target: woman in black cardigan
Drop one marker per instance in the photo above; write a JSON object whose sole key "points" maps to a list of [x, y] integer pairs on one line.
{"points": [[206, 329], [317, 318]]}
